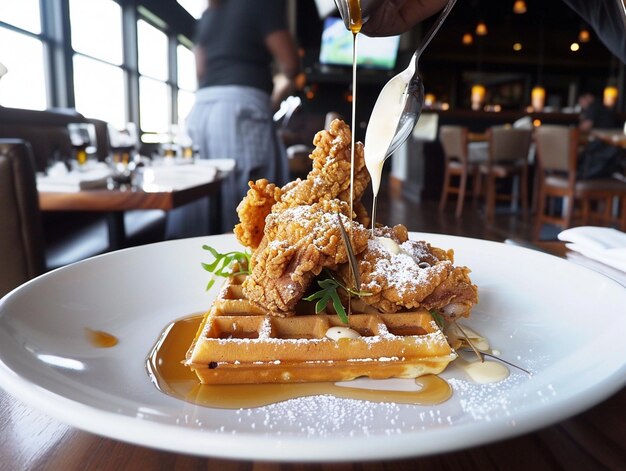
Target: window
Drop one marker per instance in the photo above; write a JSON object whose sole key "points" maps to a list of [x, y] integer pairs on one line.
{"points": [[22, 53], [97, 29], [154, 106], [154, 91], [23, 14], [99, 90], [187, 82], [14, 48]]}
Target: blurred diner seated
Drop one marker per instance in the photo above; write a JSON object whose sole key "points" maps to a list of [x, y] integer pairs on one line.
{"points": [[597, 159], [565, 200]]}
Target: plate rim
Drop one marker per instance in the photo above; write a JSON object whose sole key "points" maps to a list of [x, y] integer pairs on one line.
{"points": [[289, 448]]}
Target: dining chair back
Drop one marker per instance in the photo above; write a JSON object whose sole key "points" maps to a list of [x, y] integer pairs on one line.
{"points": [[581, 201], [508, 149], [21, 236], [454, 141]]}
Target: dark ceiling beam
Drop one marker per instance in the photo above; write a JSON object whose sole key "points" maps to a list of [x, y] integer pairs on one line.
{"points": [[178, 20]]}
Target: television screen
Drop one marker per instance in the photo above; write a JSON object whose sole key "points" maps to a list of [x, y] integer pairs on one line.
{"points": [[336, 48]]}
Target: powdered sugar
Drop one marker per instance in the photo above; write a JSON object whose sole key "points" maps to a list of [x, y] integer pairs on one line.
{"points": [[400, 270]]}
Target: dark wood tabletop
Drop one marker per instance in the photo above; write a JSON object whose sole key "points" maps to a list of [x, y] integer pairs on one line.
{"points": [[115, 201], [124, 199], [592, 440]]}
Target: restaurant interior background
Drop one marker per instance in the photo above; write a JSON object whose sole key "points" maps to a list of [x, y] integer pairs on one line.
{"points": [[130, 61]]}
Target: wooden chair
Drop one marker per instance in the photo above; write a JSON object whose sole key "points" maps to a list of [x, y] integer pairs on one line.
{"points": [[557, 157], [21, 237], [508, 158], [454, 141]]}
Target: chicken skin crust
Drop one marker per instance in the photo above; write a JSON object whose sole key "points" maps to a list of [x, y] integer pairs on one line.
{"points": [[253, 210], [412, 274], [329, 179], [299, 242]]}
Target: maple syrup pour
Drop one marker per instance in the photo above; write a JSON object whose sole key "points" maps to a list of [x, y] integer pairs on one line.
{"points": [[354, 11], [355, 20], [101, 339], [175, 379]]}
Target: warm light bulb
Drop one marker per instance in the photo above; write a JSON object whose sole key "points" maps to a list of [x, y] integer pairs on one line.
{"points": [[478, 96], [519, 7], [584, 36], [429, 99], [574, 47], [517, 47], [538, 98], [467, 39], [481, 29], [609, 97]]}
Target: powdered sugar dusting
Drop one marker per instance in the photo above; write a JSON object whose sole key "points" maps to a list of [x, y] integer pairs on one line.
{"points": [[400, 270]]}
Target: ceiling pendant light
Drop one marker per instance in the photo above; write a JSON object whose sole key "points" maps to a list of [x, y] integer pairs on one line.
{"points": [[584, 36], [481, 29], [467, 39], [519, 7]]}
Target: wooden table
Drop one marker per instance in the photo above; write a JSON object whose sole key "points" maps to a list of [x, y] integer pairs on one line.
{"points": [[114, 202], [594, 440]]}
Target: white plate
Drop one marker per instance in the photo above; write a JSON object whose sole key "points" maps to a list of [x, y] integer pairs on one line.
{"points": [[547, 315]]}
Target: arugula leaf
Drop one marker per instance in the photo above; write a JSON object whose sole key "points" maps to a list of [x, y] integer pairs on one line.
{"points": [[328, 294], [438, 318], [222, 265]]}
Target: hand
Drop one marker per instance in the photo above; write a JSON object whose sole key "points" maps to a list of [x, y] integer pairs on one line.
{"points": [[393, 17]]}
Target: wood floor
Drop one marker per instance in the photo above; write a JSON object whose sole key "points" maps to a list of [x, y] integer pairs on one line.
{"points": [[425, 217]]}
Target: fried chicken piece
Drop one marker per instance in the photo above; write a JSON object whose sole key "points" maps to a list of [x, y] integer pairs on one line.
{"points": [[329, 179], [298, 243], [253, 210], [330, 176], [406, 274]]}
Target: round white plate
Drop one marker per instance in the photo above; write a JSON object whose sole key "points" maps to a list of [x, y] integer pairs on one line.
{"points": [[545, 314]]}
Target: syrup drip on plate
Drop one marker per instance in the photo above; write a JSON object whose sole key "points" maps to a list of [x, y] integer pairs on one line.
{"points": [[101, 339], [175, 379]]}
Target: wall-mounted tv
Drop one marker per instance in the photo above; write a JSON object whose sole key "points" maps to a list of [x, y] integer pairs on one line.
{"points": [[375, 53]]}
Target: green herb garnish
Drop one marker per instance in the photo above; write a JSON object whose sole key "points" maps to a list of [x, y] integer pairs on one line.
{"points": [[222, 265], [328, 294], [438, 318]]}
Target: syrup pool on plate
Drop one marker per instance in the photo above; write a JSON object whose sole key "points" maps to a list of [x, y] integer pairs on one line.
{"points": [[171, 376]]}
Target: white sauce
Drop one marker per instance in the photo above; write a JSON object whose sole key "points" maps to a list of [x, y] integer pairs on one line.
{"points": [[336, 333], [390, 245], [487, 371], [382, 127]]}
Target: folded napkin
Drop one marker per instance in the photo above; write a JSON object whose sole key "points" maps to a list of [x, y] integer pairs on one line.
{"points": [[94, 177], [177, 177], [603, 244]]}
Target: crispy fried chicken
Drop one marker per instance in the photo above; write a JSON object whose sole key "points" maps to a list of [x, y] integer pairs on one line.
{"points": [[298, 243], [294, 233], [405, 274]]}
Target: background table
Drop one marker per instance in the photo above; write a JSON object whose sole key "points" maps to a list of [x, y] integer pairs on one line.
{"points": [[114, 202]]}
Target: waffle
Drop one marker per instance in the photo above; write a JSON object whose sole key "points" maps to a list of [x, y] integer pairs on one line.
{"points": [[239, 343]]}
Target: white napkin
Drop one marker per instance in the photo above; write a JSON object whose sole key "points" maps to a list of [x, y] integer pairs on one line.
{"points": [[604, 244], [95, 177], [176, 177]]}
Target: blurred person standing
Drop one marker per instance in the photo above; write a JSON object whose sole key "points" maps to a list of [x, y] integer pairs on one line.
{"points": [[597, 159], [236, 46]]}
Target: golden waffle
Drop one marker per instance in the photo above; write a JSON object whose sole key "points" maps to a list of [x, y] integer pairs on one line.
{"points": [[239, 343]]}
